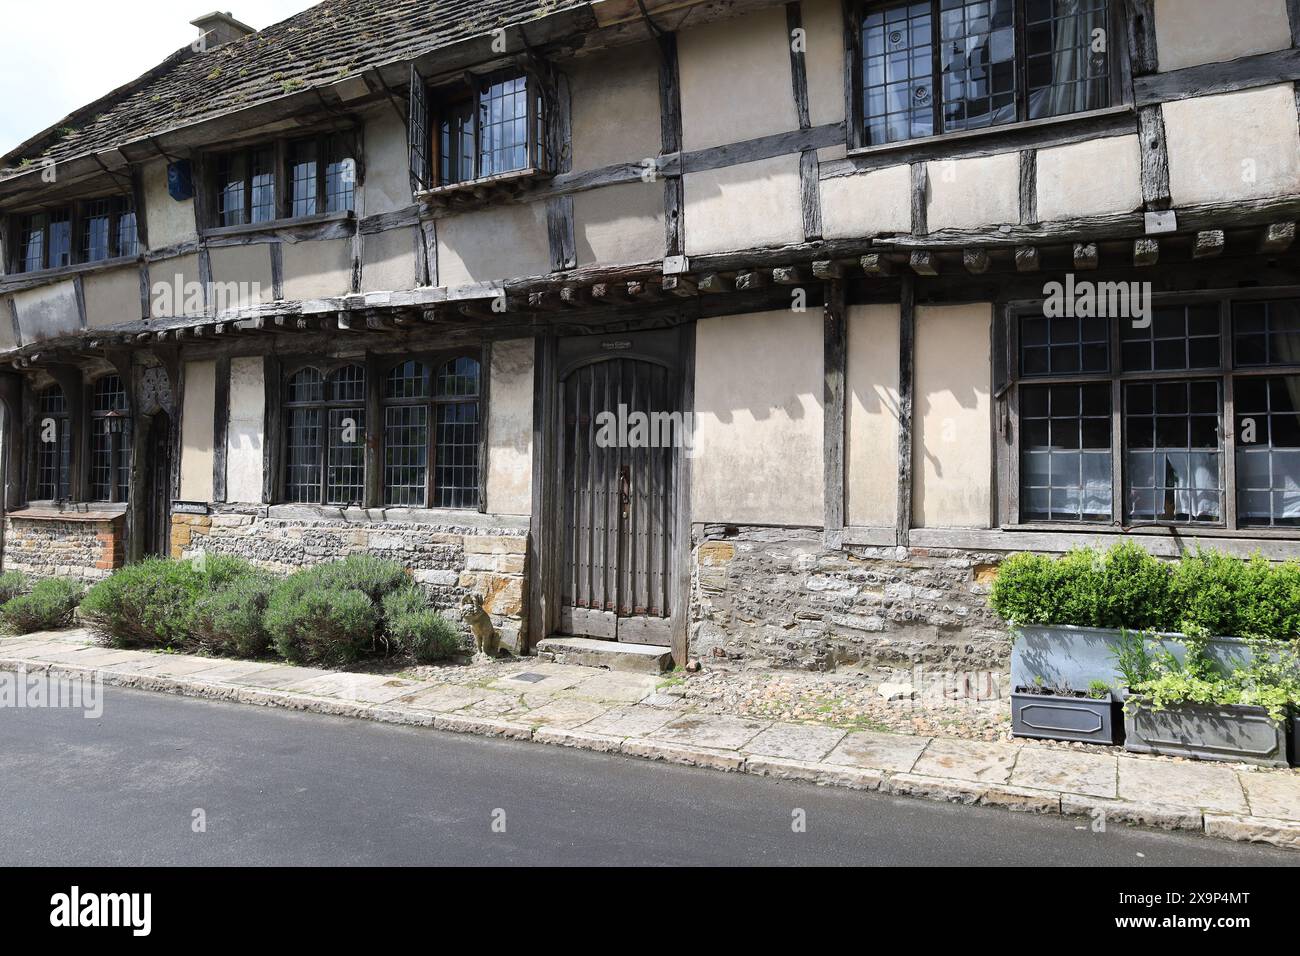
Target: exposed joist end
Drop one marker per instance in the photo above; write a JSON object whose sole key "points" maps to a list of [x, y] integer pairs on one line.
{"points": [[924, 263], [1146, 252], [1086, 255], [543, 301], [827, 269], [683, 286], [1028, 258], [643, 289], [1208, 244], [975, 261], [874, 264], [574, 296], [713, 283], [751, 281], [789, 275], [1278, 237], [608, 292]]}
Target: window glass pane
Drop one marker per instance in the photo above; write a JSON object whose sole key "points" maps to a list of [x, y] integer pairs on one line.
{"points": [[60, 239], [305, 386], [108, 445], [231, 170], [408, 380], [128, 239], [302, 178], [456, 475], [53, 446], [263, 178], [1173, 466], [1065, 453], [458, 377], [977, 60], [1266, 333], [33, 243], [1065, 74], [96, 220], [456, 144], [1176, 339], [898, 73], [1063, 345], [302, 455], [503, 121], [406, 454], [340, 176], [345, 480], [1268, 450]]}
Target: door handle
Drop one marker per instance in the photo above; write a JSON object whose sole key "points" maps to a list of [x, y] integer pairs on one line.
{"points": [[625, 489]]}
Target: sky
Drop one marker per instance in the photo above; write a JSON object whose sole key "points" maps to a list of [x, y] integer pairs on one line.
{"points": [[58, 55]]}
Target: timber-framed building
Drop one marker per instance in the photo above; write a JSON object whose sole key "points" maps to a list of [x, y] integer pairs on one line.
{"points": [[926, 282]]}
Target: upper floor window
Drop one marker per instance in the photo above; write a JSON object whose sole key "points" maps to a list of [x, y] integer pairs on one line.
{"points": [[1145, 442], [494, 127], [88, 231], [941, 66], [312, 175]]}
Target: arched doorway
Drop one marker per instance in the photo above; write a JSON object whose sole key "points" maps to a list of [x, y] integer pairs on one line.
{"points": [[157, 486]]}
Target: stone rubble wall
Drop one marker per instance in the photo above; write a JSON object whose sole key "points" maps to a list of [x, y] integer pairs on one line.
{"points": [[778, 597], [76, 548], [449, 561]]}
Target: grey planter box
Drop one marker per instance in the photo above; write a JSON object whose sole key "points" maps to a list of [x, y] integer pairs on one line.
{"points": [[1049, 717], [1206, 732], [1076, 656]]}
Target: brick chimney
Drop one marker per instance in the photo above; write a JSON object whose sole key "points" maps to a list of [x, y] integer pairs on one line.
{"points": [[217, 28]]}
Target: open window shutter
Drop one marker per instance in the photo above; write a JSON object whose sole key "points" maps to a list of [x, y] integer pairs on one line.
{"points": [[417, 126], [1003, 366]]}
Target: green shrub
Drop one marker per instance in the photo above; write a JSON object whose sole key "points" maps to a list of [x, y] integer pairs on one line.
{"points": [[231, 621], [1133, 589], [320, 625], [1022, 590], [12, 584], [47, 607], [152, 603], [425, 635]]}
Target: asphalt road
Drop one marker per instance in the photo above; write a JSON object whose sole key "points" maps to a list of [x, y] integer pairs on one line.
{"points": [[278, 787]]}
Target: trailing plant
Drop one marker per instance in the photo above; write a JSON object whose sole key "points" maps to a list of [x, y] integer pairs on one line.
{"points": [[1269, 683], [1133, 659]]}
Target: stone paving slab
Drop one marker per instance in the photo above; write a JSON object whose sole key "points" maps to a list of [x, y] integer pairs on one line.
{"points": [[1190, 784], [877, 751], [967, 760], [594, 710]]}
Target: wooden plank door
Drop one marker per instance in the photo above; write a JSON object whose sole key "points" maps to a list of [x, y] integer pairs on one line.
{"points": [[618, 499]]}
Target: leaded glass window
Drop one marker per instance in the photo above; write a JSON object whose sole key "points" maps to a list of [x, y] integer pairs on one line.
{"points": [[109, 444], [325, 436], [53, 446]]}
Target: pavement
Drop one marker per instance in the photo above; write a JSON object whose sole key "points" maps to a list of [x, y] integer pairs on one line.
{"points": [[160, 779], [636, 715]]}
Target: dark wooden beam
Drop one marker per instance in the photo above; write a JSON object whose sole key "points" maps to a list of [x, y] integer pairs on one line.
{"points": [[1146, 252], [874, 264], [1279, 236], [751, 281], [714, 282], [828, 269], [906, 349], [220, 427], [1027, 258], [1208, 243], [924, 263], [976, 261], [1086, 256], [683, 286], [790, 275]]}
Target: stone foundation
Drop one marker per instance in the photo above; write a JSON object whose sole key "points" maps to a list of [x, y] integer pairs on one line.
{"points": [[51, 543], [780, 598], [449, 560]]}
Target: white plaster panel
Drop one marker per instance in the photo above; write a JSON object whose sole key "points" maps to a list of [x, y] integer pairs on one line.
{"points": [[244, 433], [174, 288], [388, 260], [244, 272], [735, 79], [615, 107], [871, 389], [823, 23], [967, 193], [510, 428], [112, 297], [952, 484], [48, 311], [7, 340], [758, 419], [1091, 178], [1191, 32], [387, 185], [317, 270], [865, 204], [1233, 146], [502, 242], [619, 224], [745, 206], [169, 222], [197, 429]]}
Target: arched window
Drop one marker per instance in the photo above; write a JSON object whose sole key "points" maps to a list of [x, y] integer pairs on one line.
{"points": [[109, 447], [431, 423], [53, 446], [325, 436]]}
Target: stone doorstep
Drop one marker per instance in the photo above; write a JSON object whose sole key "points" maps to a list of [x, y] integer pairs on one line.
{"points": [[615, 655], [1280, 833]]}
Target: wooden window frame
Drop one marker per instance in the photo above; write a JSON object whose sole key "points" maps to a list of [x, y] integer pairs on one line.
{"points": [[1120, 87], [326, 369], [119, 444], [120, 205], [377, 368], [540, 104], [1007, 432]]}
